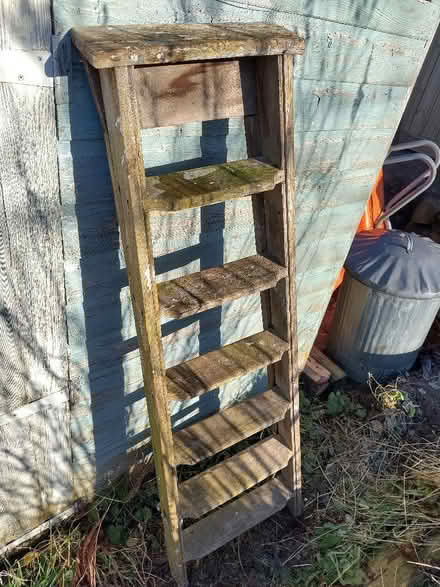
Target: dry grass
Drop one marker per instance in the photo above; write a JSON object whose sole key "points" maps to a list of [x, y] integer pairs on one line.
{"points": [[366, 487]]}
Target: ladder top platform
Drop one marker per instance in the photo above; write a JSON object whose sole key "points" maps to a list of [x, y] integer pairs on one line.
{"points": [[122, 46]]}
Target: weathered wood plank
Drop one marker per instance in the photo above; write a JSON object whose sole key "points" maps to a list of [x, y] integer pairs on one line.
{"points": [[213, 369], [275, 138], [211, 287], [115, 351], [316, 372], [35, 442], [335, 370], [33, 335], [154, 44], [241, 515], [36, 479], [323, 105], [227, 427], [127, 169], [233, 476], [209, 185], [423, 93], [25, 27], [346, 103], [349, 54], [207, 90], [405, 18]]}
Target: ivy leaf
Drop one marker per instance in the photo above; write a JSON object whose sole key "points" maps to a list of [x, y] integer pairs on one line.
{"points": [[114, 534], [335, 404]]}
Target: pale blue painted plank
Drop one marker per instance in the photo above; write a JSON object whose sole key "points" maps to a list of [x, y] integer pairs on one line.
{"points": [[398, 17]]}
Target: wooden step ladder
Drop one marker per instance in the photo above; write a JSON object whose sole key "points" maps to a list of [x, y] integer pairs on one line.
{"points": [[161, 75]]}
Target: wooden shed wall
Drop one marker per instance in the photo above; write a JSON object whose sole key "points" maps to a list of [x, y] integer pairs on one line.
{"points": [[351, 87], [72, 409], [35, 452]]}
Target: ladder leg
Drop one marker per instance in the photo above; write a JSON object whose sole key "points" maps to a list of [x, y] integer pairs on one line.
{"points": [[275, 114], [128, 176]]}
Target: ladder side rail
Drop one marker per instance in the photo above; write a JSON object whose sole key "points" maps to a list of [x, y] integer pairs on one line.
{"points": [[128, 176]]}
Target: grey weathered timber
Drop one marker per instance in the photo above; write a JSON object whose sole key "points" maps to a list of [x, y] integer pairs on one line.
{"points": [[234, 475], [210, 185], [277, 210], [225, 428], [149, 44], [205, 90], [213, 369], [360, 62], [35, 460], [35, 446], [204, 290], [122, 135], [235, 518], [117, 92]]}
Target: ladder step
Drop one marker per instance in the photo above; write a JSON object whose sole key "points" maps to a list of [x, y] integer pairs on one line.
{"points": [[208, 185], [241, 515], [213, 369], [209, 288], [227, 480], [227, 427]]}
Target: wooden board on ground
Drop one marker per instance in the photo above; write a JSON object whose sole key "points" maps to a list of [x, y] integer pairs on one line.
{"points": [[207, 289], [226, 428], [316, 372], [213, 369], [218, 485], [336, 372]]}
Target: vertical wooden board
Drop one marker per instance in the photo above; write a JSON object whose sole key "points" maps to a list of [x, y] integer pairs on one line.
{"points": [[275, 112], [35, 445], [423, 93], [32, 327], [123, 143], [424, 122], [35, 483], [25, 25]]}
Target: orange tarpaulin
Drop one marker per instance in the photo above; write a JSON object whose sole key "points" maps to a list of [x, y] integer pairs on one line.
{"points": [[373, 210]]}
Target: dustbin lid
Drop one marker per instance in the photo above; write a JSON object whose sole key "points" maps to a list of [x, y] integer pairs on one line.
{"points": [[402, 264]]}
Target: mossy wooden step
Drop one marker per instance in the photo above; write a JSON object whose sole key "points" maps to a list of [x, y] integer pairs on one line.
{"points": [[213, 369], [209, 185], [209, 288]]}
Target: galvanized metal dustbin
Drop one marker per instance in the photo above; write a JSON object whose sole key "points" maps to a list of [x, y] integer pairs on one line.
{"points": [[387, 303]]}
